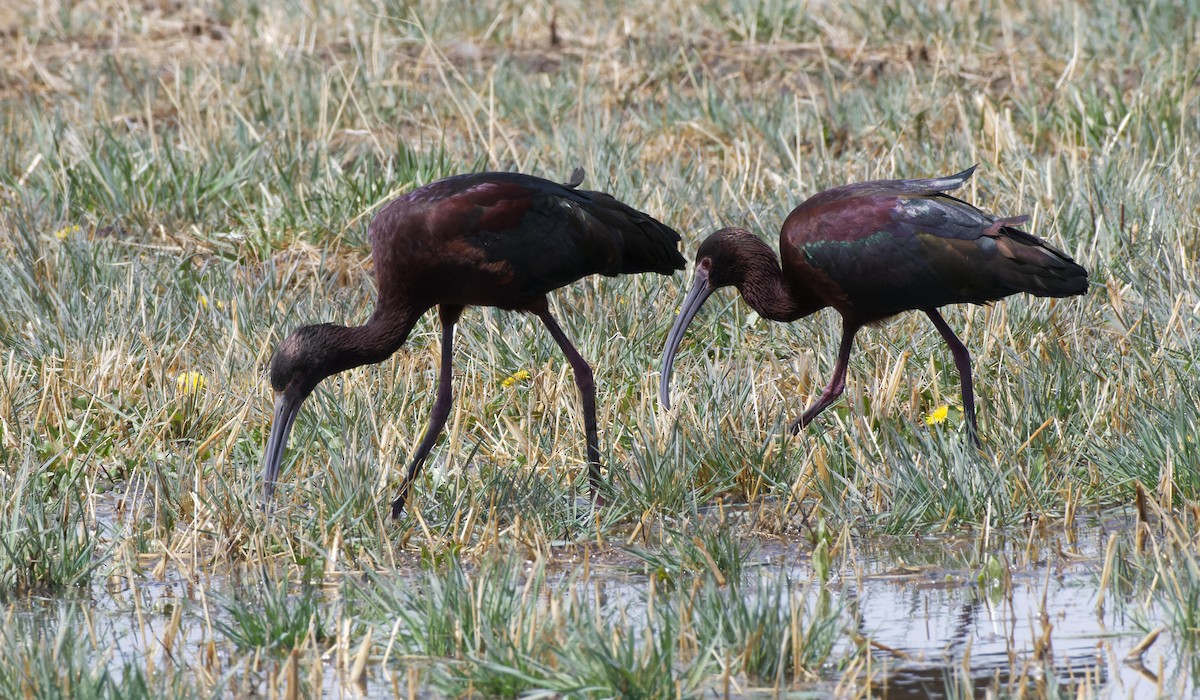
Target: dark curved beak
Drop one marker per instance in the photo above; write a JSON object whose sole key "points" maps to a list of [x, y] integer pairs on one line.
{"points": [[695, 298], [287, 406]]}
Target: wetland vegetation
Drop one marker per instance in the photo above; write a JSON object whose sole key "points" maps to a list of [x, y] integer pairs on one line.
{"points": [[182, 184]]}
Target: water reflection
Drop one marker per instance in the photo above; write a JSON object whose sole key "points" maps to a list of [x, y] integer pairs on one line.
{"points": [[940, 632]]}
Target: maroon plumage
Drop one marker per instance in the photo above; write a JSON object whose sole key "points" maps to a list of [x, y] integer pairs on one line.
{"points": [[871, 250], [486, 239]]}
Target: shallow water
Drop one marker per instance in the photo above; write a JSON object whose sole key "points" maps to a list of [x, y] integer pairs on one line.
{"points": [[935, 629], [947, 636], [943, 633]]}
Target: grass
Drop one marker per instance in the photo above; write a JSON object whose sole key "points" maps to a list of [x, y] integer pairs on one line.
{"points": [[181, 187], [508, 628], [686, 552], [53, 658], [266, 617], [45, 543]]}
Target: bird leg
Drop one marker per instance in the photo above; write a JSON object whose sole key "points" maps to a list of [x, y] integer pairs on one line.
{"points": [[441, 407], [962, 360], [836, 385], [587, 393]]}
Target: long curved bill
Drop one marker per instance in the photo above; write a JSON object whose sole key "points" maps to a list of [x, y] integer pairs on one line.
{"points": [[286, 409], [695, 298]]}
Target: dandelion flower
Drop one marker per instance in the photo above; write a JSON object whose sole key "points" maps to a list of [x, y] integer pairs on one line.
{"points": [[938, 415], [189, 382], [518, 376], [66, 232], [204, 303]]}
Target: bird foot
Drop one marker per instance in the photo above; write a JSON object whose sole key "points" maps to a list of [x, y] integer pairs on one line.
{"points": [[595, 497], [398, 506], [588, 504]]}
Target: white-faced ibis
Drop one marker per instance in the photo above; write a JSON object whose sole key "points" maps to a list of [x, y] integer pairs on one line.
{"points": [[485, 239], [871, 250]]}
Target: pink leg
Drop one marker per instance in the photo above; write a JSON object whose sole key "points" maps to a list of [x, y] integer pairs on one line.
{"points": [[587, 393], [962, 360], [836, 385], [441, 407]]}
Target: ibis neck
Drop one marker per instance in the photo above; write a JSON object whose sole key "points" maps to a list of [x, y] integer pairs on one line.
{"points": [[384, 333], [374, 341], [765, 289]]}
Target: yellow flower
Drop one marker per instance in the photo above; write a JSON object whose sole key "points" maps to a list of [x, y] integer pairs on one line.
{"points": [[189, 382], [66, 232], [204, 303], [518, 376], [938, 415]]}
